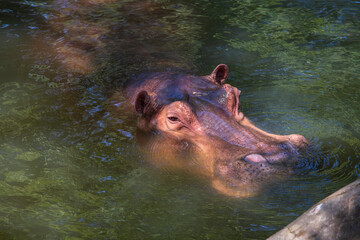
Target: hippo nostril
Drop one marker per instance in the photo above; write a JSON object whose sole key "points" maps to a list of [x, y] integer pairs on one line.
{"points": [[298, 141]]}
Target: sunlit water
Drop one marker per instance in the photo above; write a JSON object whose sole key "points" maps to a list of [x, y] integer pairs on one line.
{"points": [[69, 163]]}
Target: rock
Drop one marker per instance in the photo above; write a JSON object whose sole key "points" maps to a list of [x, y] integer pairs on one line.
{"points": [[335, 217]]}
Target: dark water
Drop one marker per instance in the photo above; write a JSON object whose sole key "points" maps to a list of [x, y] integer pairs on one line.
{"points": [[69, 164]]}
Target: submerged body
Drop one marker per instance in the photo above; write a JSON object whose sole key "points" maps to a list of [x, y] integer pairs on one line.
{"points": [[195, 123]]}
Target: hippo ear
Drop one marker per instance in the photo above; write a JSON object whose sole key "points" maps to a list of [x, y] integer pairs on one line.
{"points": [[220, 74], [142, 102]]}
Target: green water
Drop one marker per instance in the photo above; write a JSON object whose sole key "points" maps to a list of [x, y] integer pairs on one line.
{"points": [[70, 167]]}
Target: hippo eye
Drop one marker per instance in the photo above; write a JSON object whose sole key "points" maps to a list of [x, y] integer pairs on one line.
{"points": [[174, 119]]}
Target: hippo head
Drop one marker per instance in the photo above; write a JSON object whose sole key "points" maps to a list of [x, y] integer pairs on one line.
{"points": [[196, 123]]}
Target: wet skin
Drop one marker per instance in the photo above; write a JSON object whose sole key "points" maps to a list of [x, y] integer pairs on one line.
{"points": [[195, 123]]}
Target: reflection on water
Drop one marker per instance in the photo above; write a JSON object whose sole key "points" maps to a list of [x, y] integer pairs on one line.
{"points": [[69, 164]]}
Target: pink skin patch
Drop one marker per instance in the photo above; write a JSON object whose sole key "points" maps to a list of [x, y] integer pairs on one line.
{"points": [[255, 158]]}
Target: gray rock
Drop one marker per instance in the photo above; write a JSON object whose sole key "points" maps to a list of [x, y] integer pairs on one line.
{"points": [[335, 217]]}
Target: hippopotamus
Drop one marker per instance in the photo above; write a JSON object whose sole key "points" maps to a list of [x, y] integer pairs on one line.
{"points": [[195, 123]]}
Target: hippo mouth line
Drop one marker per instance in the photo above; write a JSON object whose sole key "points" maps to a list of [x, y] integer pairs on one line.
{"points": [[278, 158], [288, 152]]}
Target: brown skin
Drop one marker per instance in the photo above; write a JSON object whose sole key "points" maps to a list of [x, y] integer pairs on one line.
{"points": [[195, 123]]}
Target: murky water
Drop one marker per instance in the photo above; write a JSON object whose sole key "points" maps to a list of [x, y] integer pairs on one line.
{"points": [[69, 163]]}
